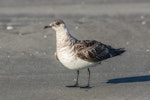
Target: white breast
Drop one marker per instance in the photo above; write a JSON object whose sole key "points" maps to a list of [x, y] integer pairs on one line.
{"points": [[69, 60]]}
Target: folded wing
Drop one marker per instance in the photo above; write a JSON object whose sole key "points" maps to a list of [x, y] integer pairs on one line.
{"points": [[94, 51]]}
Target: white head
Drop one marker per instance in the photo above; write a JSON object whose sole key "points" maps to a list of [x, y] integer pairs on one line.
{"points": [[57, 25]]}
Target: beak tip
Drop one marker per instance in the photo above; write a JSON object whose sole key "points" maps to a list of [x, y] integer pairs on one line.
{"points": [[45, 27]]}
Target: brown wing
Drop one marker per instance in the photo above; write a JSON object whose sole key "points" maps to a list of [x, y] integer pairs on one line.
{"points": [[91, 50]]}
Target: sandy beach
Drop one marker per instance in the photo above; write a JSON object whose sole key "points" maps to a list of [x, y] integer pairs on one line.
{"points": [[29, 70]]}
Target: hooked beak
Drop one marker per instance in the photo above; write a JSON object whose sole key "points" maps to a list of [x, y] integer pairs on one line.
{"points": [[49, 26]]}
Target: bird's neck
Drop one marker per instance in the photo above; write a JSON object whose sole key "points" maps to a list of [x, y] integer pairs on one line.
{"points": [[63, 38]]}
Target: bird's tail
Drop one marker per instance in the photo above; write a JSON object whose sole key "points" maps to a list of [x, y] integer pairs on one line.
{"points": [[116, 52]]}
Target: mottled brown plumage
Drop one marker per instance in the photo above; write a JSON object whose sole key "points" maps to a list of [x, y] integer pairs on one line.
{"points": [[91, 51], [94, 51]]}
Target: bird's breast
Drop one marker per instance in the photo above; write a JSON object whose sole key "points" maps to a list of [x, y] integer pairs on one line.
{"points": [[69, 59]]}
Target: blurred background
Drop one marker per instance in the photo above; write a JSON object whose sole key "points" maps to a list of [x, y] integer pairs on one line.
{"points": [[29, 71]]}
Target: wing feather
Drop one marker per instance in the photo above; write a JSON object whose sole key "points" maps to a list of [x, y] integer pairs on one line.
{"points": [[91, 50]]}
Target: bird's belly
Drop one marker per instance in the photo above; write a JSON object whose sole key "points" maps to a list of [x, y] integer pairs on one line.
{"points": [[72, 61]]}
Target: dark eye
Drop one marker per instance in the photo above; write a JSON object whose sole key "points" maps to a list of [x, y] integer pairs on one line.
{"points": [[57, 23]]}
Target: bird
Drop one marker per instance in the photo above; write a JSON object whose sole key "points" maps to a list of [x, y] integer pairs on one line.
{"points": [[77, 54]]}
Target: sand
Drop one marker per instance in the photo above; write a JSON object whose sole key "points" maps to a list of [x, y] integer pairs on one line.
{"points": [[29, 70]]}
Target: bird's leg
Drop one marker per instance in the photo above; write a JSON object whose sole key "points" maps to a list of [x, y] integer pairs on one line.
{"points": [[89, 77], [76, 84], [88, 84]]}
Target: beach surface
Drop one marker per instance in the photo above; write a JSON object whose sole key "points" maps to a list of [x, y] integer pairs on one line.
{"points": [[29, 70]]}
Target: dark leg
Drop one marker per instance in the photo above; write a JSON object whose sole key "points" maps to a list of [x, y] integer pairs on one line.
{"points": [[77, 78], [89, 77], [76, 84], [88, 84]]}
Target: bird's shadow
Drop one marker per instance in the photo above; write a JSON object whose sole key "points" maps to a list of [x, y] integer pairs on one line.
{"points": [[129, 79]]}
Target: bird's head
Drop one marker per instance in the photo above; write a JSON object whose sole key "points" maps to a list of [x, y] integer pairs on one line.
{"points": [[57, 24]]}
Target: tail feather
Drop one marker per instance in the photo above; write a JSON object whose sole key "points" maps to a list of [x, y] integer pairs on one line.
{"points": [[115, 52]]}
